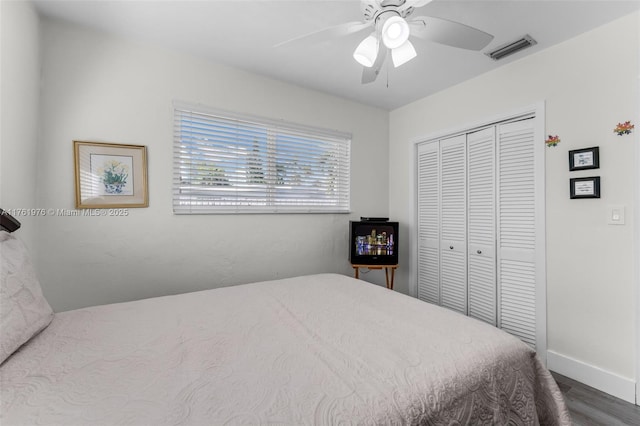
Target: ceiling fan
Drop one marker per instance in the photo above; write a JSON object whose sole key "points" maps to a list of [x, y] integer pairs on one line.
{"points": [[393, 24]]}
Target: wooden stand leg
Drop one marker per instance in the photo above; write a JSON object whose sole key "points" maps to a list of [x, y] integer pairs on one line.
{"points": [[393, 272], [356, 272]]}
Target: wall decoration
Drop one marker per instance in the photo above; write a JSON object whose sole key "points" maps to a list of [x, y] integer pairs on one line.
{"points": [[624, 128], [110, 175], [583, 159], [587, 187], [552, 140]]}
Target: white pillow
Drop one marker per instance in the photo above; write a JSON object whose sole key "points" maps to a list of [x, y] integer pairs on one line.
{"points": [[24, 311]]}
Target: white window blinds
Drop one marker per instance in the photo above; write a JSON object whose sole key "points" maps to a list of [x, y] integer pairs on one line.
{"points": [[229, 163]]}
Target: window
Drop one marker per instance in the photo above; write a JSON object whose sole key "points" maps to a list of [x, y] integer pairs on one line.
{"points": [[228, 163]]}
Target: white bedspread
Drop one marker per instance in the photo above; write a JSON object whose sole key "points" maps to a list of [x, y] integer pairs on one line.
{"points": [[323, 349]]}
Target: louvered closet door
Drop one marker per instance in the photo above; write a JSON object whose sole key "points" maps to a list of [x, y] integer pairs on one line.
{"points": [[481, 225], [517, 230], [453, 220], [428, 222]]}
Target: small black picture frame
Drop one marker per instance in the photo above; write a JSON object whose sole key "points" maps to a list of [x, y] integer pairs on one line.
{"points": [[586, 187], [584, 159]]}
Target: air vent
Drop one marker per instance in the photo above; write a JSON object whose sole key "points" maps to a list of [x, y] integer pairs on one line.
{"points": [[511, 48]]}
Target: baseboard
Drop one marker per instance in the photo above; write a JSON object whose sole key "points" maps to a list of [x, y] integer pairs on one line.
{"points": [[603, 380]]}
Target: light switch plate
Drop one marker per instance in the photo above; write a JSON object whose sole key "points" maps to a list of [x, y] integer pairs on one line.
{"points": [[615, 214]]}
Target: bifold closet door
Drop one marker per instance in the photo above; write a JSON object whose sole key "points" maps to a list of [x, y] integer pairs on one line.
{"points": [[428, 186], [481, 225], [453, 223], [517, 234]]}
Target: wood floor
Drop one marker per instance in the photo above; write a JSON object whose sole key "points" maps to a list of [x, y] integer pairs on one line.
{"points": [[590, 407]]}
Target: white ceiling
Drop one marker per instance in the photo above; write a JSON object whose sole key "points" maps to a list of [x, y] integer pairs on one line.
{"points": [[242, 34]]}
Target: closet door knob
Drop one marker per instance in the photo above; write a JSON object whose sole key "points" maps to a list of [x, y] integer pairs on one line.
{"points": [[479, 252], [451, 247]]}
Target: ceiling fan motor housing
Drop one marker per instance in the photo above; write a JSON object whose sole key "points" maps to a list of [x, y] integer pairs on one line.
{"points": [[372, 9]]}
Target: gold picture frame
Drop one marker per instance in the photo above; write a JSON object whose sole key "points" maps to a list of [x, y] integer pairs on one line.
{"points": [[110, 175]]}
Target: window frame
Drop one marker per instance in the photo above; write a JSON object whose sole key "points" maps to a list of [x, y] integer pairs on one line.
{"points": [[252, 149]]}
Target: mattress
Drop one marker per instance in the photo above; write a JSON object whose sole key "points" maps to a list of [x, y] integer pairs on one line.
{"points": [[322, 349]]}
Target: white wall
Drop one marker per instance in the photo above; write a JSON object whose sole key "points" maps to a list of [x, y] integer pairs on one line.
{"points": [[98, 87], [19, 97], [588, 84]]}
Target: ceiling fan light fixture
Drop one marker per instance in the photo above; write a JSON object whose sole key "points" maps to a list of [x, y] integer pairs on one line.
{"points": [[395, 32], [403, 54], [367, 51]]}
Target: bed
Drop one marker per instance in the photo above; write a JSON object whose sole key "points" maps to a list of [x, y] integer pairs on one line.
{"points": [[314, 350]]}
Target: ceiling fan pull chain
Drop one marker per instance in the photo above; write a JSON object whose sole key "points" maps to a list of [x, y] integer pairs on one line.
{"points": [[387, 74]]}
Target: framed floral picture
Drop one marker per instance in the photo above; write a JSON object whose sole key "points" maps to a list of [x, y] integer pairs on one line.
{"points": [[110, 175]]}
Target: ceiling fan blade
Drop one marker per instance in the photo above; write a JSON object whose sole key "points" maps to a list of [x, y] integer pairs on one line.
{"points": [[329, 33], [369, 75], [448, 32], [414, 3]]}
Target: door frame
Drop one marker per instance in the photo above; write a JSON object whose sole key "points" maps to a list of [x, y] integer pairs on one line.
{"points": [[636, 250]]}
